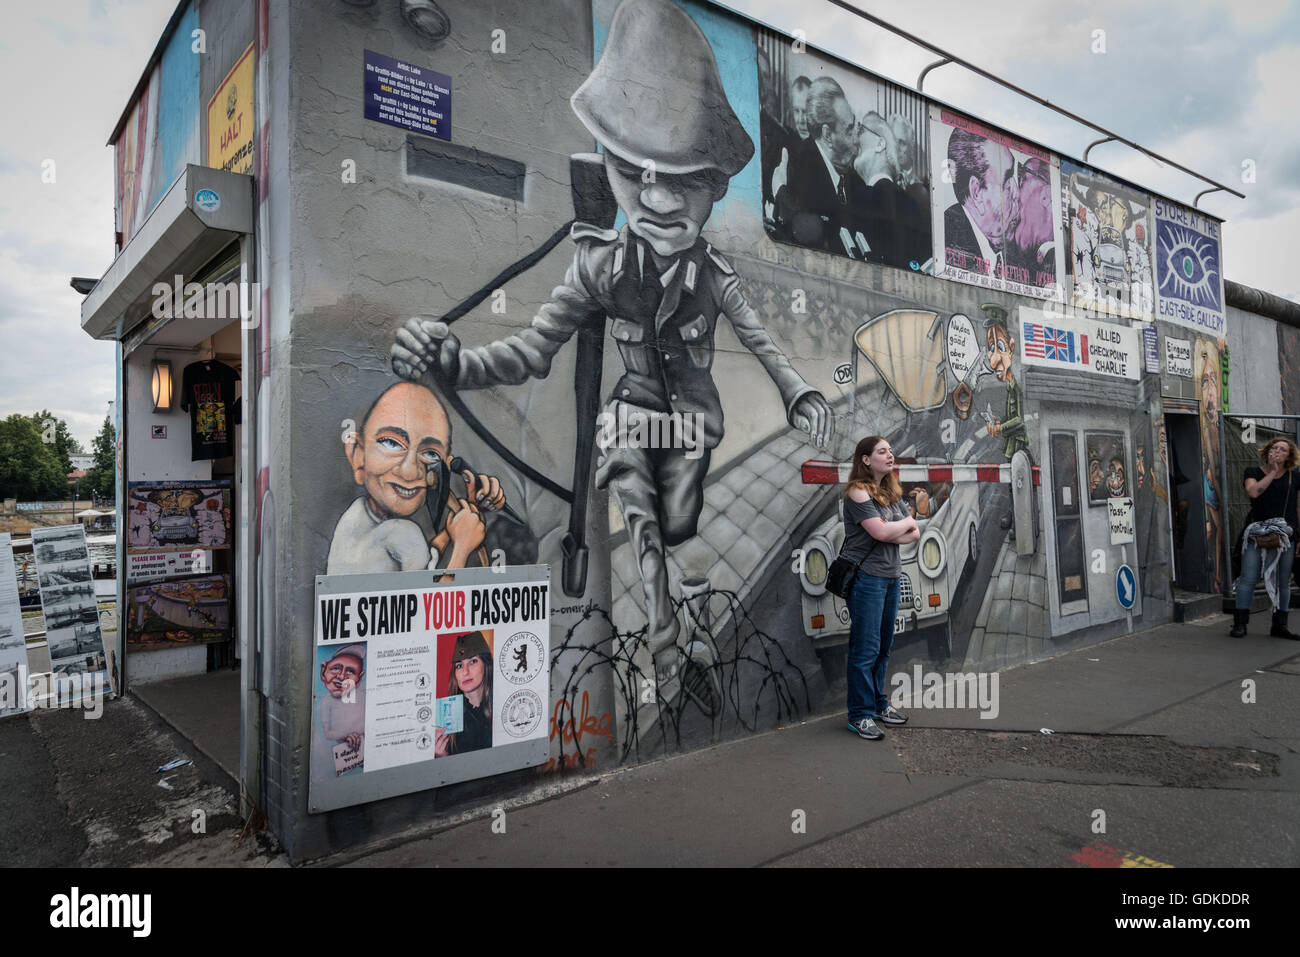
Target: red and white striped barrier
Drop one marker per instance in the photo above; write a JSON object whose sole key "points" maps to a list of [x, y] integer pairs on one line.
{"points": [[817, 472]]}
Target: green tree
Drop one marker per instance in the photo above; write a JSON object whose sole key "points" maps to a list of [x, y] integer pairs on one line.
{"points": [[52, 428], [101, 478], [30, 468]]}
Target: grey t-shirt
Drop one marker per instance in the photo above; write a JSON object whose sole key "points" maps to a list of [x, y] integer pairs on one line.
{"points": [[882, 560]]}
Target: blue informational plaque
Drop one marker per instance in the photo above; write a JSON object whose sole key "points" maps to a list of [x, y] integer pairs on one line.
{"points": [[405, 95]]}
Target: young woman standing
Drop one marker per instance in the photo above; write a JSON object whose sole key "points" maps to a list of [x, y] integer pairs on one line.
{"points": [[1272, 490], [876, 522]]}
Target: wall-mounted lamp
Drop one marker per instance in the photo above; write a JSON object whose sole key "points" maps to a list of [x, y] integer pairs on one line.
{"points": [[161, 386]]}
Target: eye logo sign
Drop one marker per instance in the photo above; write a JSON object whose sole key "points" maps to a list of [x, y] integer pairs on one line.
{"points": [[1189, 265]]}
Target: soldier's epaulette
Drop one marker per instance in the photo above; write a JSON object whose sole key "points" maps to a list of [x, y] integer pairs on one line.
{"points": [[718, 260], [588, 231]]}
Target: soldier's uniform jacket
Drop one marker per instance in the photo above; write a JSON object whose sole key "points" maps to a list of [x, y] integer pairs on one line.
{"points": [[664, 330], [1013, 425]]}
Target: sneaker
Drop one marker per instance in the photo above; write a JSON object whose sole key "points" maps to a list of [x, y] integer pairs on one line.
{"points": [[891, 715], [866, 728]]}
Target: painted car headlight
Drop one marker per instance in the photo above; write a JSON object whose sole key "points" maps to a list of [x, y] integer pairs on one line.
{"points": [[932, 555], [815, 567]]}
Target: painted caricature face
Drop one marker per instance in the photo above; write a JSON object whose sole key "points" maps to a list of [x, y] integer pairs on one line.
{"points": [[799, 104], [341, 674], [1210, 391], [1115, 478], [669, 211], [469, 674], [1001, 347], [1141, 465], [1095, 475], [407, 432], [986, 200]]}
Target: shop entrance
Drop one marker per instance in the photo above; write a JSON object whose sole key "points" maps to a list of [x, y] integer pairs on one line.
{"points": [[182, 518], [1187, 503]]}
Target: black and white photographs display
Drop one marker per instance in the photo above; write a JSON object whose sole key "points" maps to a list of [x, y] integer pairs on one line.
{"points": [[13, 646], [71, 612]]}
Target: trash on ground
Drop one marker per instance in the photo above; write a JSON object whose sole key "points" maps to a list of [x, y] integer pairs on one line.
{"points": [[174, 763], [1046, 731], [163, 784]]}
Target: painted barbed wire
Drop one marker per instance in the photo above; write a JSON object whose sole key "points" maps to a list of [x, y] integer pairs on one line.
{"points": [[619, 650]]}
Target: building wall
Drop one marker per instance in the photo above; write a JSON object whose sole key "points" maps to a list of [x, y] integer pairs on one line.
{"points": [[370, 225]]}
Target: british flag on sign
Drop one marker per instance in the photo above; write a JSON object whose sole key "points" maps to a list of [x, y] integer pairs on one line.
{"points": [[1046, 342]]}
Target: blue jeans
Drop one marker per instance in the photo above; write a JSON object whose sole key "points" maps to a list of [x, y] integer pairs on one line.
{"points": [[1252, 562], [873, 604]]}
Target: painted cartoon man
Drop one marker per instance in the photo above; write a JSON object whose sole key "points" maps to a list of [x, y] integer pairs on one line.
{"points": [[396, 457], [1001, 349], [342, 709], [670, 151]]}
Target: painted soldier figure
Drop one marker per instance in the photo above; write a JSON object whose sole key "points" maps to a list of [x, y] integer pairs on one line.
{"points": [[1001, 349], [670, 152]]}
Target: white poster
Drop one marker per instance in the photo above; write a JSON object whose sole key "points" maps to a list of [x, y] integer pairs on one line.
{"points": [[428, 673], [1178, 357], [1081, 345], [13, 646], [154, 566], [68, 602], [1119, 512]]}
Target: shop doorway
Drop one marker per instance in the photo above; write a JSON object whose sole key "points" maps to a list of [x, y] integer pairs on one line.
{"points": [[184, 466], [1187, 503]]}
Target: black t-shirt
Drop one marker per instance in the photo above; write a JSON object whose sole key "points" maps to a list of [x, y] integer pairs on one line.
{"points": [[208, 394], [477, 730], [1269, 504]]}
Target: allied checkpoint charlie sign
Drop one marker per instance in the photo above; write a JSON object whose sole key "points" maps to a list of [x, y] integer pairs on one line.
{"points": [[420, 682]]}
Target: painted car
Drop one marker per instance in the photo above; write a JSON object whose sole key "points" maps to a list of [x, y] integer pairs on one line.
{"points": [[947, 514], [180, 528]]}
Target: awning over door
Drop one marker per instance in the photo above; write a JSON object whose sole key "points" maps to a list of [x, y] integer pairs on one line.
{"points": [[202, 212]]}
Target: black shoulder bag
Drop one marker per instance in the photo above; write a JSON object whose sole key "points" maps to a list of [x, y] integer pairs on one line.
{"points": [[842, 573]]}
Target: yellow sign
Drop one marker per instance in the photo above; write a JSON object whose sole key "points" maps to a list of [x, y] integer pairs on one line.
{"points": [[230, 119]]}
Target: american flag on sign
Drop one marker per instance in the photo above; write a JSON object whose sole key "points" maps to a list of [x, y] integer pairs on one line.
{"points": [[1044, 342]]}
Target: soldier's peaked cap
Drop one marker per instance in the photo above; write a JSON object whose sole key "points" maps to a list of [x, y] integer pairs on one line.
{"points": [[656, 94]]}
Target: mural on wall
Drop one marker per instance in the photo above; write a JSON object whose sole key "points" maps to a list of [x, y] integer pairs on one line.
{"points": [[996, 208], [843, 165], [1207, 355], [400, 456], [1109, 243], [674, 220], [657, 287], [1106, 457], [1188, 269]]}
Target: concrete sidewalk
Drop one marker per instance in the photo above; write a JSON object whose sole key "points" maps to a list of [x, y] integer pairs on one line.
{"points": [[1151, 729]]}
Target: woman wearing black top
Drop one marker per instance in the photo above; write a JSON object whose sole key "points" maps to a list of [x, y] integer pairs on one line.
{"points": [[876, 522], [1272, 490], [471, 676]]}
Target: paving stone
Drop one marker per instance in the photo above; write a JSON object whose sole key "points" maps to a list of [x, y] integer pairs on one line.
{"points": [[722, 576], [763, 462], [721, 533], [741, 512], [744, 556], [695, 556], [719, 495], [738, 479], [758, 493]]}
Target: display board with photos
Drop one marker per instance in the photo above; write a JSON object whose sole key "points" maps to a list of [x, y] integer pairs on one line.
{"points": [[1107, 466], [68, 602], [172, 516], [418, 683], [13, 644]]}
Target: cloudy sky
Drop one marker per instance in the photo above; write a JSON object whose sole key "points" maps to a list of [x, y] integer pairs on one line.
{"points": [[1209, 84]]}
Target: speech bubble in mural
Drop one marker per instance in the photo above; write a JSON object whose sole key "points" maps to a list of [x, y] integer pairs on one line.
{"points": [[963, 347]]}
